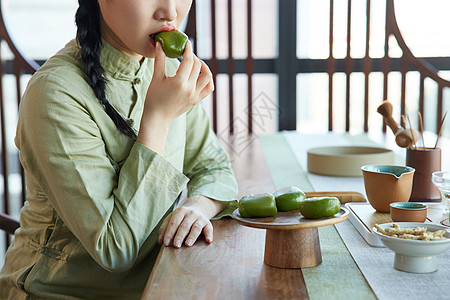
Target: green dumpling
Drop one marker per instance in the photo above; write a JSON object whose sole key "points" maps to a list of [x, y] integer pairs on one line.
{"points": [[289, 198], [173, 42], [257, 206], [320, 207]]}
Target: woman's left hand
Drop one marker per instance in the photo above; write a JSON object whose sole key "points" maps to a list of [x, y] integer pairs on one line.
{"points": [[187, 222]]}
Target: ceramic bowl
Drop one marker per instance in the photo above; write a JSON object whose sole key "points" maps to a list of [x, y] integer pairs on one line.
{"points": [[346, 160], [386, 184], [408, 212], [415, 256]]}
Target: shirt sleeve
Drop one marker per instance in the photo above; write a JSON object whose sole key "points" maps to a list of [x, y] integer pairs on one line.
{"points": [[206, 163], [111, 209]]}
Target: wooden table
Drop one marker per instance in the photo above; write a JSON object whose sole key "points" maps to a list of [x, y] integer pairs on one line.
{"points": [[232, 267]]}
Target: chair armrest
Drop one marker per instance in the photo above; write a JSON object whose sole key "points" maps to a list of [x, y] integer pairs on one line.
{"points": [[8, 223]]}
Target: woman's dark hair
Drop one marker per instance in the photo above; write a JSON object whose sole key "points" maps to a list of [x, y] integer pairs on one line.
{"points": [[87, 19]]}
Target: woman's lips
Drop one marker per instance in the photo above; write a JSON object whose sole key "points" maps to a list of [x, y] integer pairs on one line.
{"points": [[152, 40], [165, 28]]}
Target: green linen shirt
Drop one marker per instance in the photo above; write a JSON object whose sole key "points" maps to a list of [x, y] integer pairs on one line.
{"points": [[95, 198]]}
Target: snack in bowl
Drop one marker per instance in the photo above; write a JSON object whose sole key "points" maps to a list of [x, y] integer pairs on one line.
{"points": [[417, 233], [289, 198], [319, 207], [172, 42], [411, 254], [257, 205]]}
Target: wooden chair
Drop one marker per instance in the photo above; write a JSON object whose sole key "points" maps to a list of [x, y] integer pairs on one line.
{"points": [[19, 66], [8, 223]]}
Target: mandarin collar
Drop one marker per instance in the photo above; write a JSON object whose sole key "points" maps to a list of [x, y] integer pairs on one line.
{"points": [[120, 65]]}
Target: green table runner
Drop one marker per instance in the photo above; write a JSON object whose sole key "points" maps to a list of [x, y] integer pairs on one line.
{"points": [[338, 277]]}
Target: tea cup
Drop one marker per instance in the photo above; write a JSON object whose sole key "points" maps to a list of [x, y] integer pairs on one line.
{"points": [[408, 212]]}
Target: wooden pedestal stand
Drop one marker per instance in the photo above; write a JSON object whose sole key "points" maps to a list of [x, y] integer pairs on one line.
{"points": [[291, 240]]}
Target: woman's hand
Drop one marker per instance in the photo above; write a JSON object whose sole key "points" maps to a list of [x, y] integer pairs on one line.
{"points": [[169, 97], [187, 222]]}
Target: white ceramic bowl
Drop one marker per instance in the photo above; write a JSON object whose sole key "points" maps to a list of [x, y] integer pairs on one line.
{"points": [[415, 256]]}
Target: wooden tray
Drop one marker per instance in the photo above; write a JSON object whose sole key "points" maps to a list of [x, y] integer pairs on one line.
{"points": [[292, 241], [363, 217], [290, 220]]}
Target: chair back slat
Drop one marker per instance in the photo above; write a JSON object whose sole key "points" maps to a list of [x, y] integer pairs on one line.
{"points": [[439, 106], [230, 66], [331, 67], [214, 63], [421, 93], [4, 156], [249, 66], [367, 67], [20, 66], [348, 66]]}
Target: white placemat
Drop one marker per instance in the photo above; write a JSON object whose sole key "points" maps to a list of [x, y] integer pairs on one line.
{"points": [[376, 264]]}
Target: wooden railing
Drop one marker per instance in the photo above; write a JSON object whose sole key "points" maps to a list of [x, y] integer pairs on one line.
{"points": [[409, 62], [286, 66]]}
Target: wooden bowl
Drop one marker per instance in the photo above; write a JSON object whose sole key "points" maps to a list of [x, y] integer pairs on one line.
{"points": [[346, 161], [408, 212]]}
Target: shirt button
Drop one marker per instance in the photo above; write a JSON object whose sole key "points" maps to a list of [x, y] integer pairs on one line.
{"points": [[137, 81]]}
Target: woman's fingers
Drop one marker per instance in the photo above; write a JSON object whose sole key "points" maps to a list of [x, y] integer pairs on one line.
{"points": [[160, 62], [208, 232], [209, 88], [184, 225], [185, 68], [195, 70], [192, 225], [175, 219], [162, 229], [205, 82], [204, 78], [184, 228], [197, 228]]}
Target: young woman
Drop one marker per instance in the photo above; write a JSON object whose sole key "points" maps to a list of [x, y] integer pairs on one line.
{"points": [[110, 132]]}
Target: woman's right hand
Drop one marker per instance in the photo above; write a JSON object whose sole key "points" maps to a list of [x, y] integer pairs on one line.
{"points": [[169, 97]]}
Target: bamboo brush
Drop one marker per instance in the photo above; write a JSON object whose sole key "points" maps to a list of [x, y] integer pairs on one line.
{"points": [[421, 129], [403, 122], [412, 134], [440, 131]]}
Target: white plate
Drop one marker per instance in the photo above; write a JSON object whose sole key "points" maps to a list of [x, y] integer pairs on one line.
{"points": [[415, 256]]}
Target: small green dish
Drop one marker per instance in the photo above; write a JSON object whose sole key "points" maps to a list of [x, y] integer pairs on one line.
{"points": [[408, 212], [408, 205]]}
